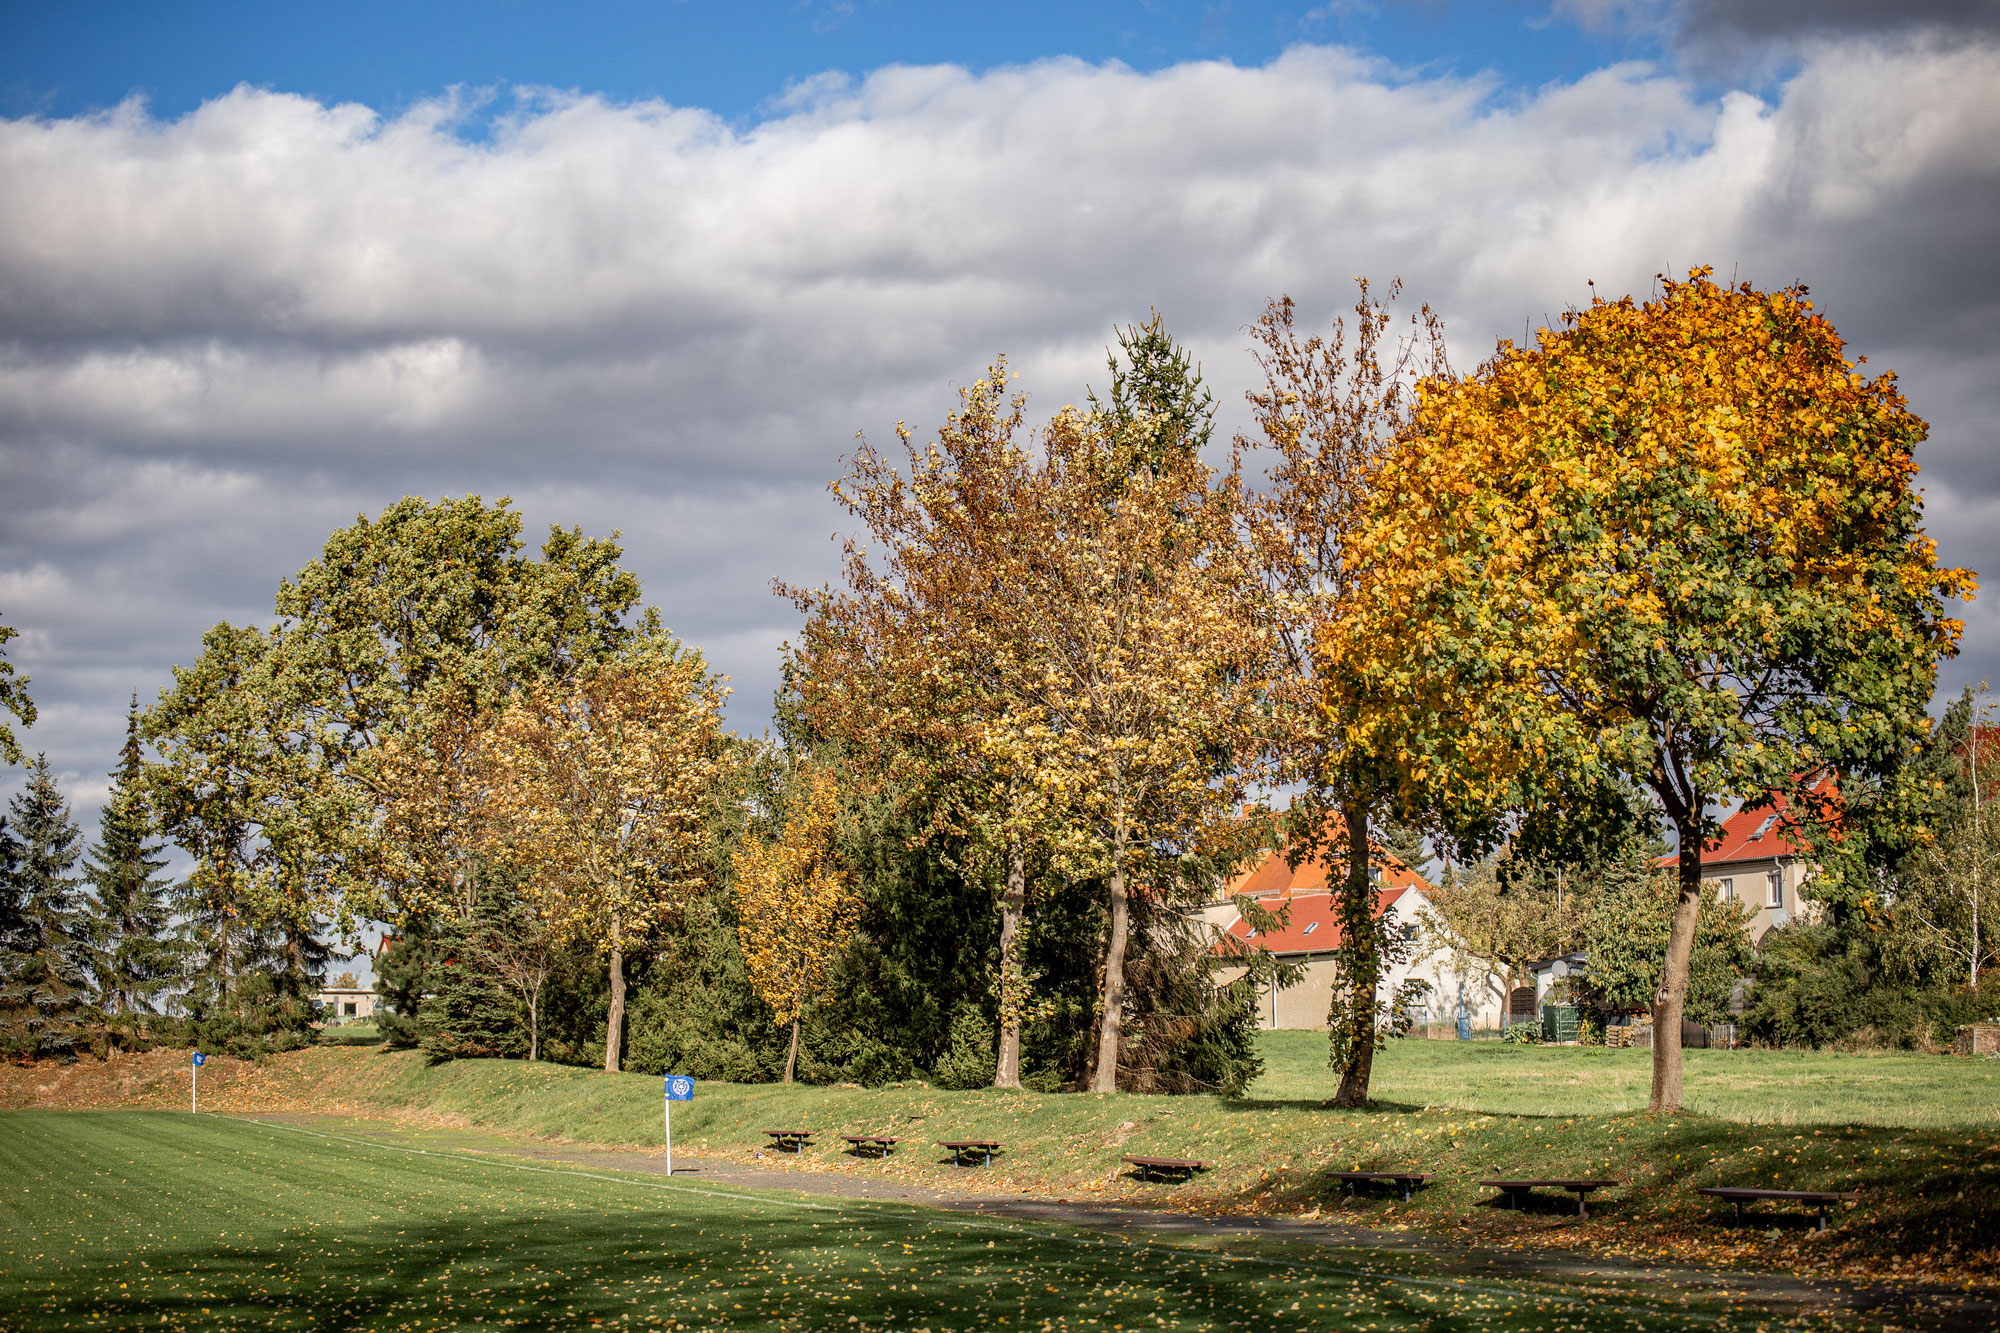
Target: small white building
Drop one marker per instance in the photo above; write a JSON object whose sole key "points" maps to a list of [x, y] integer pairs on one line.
{"points": [[342, 1004]]}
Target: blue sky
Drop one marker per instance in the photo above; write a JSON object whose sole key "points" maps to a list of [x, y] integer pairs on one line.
{"points": [[60, 60]]}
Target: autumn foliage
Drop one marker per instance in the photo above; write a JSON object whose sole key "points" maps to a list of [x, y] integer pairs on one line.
{"points": [[1675, 541], [796, 906]]}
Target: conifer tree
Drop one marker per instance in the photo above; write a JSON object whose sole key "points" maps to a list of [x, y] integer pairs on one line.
{"points": [[402, 974], [45, 980], [140, 958]]}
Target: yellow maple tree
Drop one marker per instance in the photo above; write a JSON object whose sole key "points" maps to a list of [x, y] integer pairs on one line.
{"points": [[1675, 542], [601, 788], [796, 906]]}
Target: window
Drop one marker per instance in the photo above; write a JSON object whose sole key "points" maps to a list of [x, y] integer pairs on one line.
{"points": [[1374, 874], [1777, 888], [1725, 889], [347, 1009], [1311, 926]]}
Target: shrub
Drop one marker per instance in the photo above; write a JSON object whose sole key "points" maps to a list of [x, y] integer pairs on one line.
{"points": [[1523, 1034], [969, 1060]]}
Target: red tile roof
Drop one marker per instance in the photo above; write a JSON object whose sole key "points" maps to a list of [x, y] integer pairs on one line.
{"points": [[1753, 835], [1313, 923], [1273, 878]]}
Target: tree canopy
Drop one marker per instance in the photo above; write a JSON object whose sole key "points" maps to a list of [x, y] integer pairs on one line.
{"points": [[1675, 541]]}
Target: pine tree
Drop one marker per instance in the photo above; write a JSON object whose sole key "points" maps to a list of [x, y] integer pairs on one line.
{"points": [[1407, 843], [140, 959], [45, 973], [403, 966]]}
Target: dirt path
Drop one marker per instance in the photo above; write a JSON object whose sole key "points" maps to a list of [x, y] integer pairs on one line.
{"points": [[1760, 1295]]}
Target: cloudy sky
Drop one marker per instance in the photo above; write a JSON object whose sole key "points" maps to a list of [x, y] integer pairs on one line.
{"points": [[652, 266]]}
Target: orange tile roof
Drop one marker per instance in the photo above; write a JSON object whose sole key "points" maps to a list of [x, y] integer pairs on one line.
{"points": [[1272, 877], [1313, 923], [1753, 835]]}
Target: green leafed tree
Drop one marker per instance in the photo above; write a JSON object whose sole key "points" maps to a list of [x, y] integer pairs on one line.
{"points": [[269, 742], [139, 960], [45, 969]]}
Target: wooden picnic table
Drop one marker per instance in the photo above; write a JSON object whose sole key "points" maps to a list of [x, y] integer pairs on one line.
{"points": [[1818, 1200], [1404, 1180], [1512, 1190], [878, 1144], [985, 1147], [790, 1140], [1166, 1168]]}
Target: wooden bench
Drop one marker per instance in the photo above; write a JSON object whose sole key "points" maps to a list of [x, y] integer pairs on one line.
{"points": [[1405, 1180], [1166, 1168], [985, 1147], [1512, 1190], [1818, 1200], [874, 1145], [790, 1140]]}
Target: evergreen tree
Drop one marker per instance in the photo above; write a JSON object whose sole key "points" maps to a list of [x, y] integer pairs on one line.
{"points": [[402, 974], [1159, 381], [139, 959], [45, 972], [12, 920], [468, 1013], [1406, 842]]}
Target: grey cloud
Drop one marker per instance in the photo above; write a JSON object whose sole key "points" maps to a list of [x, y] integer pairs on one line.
{"points": [[224, 335], [1767, 19]]}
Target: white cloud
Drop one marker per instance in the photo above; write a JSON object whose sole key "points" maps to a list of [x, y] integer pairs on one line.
{"points": [[221, 336]]}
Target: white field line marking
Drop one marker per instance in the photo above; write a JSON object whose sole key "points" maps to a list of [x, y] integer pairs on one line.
{"points": [[1088, 1238]]}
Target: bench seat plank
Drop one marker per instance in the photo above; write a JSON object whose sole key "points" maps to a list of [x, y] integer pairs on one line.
{"points": [[1818, 1200], [1407, 1181], [1513, 1189], [985, 1147], [1182, 1167], [881, 1143]]}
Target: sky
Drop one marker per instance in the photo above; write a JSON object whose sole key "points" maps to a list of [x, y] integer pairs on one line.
{"points": [[651, 267]]}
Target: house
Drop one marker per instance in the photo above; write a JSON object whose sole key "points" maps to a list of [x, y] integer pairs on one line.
{"points": [[1312, 933], [344, 1004], [1756, 862]]}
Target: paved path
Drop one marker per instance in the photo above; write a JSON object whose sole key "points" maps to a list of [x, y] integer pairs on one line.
{"points": [[1946, 1309]]}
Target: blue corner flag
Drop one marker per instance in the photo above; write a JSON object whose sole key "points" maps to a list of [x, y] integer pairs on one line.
{"points": [[680, 1088], [200, 1059]]}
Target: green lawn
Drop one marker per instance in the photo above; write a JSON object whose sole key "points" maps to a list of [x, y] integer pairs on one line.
{"points": [[1752, 1086], [139, 1219]]}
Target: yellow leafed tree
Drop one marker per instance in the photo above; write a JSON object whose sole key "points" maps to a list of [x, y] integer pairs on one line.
{"points": [[796, 907], [600, 789], [1675, 543]]}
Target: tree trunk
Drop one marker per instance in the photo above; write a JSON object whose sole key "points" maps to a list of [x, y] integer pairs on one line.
{"points": [[792, 1056], [1671, 997], [1362, 959], [614, 1025], [1111, 1028], [1013, 906], [535, 1023]]}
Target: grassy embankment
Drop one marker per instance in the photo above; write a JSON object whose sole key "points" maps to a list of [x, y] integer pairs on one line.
{"points": [[136, 1219], [1915, 1134]]}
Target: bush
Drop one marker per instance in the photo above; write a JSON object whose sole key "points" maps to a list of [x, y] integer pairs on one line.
{"points": [[1523, 1034]]}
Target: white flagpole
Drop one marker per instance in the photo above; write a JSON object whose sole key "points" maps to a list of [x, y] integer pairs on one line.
{"points": [[193, 1071], [669, 1116]]}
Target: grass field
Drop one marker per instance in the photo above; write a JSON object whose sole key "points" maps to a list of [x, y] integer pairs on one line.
{"points": [[134, 1220], [1918, 1136], [1752, 1087]]}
